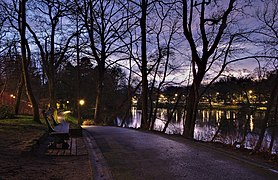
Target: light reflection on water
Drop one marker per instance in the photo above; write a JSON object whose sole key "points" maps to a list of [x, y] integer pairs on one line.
{"points": [[230, 122]]}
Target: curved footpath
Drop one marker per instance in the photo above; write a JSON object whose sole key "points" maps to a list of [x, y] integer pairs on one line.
{"points": [[121, 153]]}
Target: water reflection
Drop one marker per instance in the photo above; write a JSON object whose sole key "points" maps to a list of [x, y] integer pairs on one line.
{"points": [[228, 126]]}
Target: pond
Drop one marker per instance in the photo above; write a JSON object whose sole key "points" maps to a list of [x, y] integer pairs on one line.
{"points": [[226, 126]]}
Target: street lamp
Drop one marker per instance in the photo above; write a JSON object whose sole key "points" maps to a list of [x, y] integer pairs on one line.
{"points": [[81, 102]]}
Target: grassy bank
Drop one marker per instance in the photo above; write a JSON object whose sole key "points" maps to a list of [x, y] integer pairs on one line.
{"points": [[20, 132], [72, 121], [21, 124]]}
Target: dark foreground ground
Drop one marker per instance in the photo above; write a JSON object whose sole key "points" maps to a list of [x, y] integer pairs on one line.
{"points": [[17, 162]]}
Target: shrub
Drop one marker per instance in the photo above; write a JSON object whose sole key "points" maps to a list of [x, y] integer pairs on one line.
{"points": [[88, 122], [6, 112]]}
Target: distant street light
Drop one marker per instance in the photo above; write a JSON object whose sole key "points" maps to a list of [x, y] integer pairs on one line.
{"points": [[12, 96]]}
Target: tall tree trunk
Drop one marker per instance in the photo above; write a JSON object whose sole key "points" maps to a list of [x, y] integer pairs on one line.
{"points": [[200, 59], [128, 113], [52, 94], [247, 122], [154, 112], [18, 94], [98, 111], [171, 113], [98, 118], [51, 77], [4, 88], [22, 25], [267, 114], [274, 126], [191, 110], [144, 120], [78, 73], [192, 104]]}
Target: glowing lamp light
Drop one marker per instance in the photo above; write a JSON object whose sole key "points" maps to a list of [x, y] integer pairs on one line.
{"points": [[12, 96], [81, 102]]}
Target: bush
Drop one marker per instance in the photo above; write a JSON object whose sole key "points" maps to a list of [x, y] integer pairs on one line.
{"points": [[6, 112], [88, 122]]}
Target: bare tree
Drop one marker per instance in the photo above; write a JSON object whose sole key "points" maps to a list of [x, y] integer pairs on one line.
{"points": [[11, 30], [267, 32], [3, 19], [104, 22], [165, 29], [204, 43], [51, 38], [24, 49], [140, 11], [3, 48]]}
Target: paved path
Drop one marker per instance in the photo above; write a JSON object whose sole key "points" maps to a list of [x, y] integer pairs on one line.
{"points": [[130, 154]]}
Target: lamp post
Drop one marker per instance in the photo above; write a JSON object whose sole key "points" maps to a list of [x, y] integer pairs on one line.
{"points": [[81, 102]]}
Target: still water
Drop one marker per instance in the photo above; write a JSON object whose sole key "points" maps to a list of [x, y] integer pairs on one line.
{"points": [[226, 126]]}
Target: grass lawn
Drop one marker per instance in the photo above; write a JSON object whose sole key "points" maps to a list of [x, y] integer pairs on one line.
{"points": [[72, 121], [20, 123], [19, 132]]}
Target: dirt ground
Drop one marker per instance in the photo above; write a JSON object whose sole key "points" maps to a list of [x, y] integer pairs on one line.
{"points": [[18, 160]]}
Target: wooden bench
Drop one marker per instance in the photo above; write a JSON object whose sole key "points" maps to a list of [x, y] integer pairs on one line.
{"points": [[60, 132]]}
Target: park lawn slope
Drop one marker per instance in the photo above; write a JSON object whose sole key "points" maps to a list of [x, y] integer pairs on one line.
{"points": [[18, 133]]}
